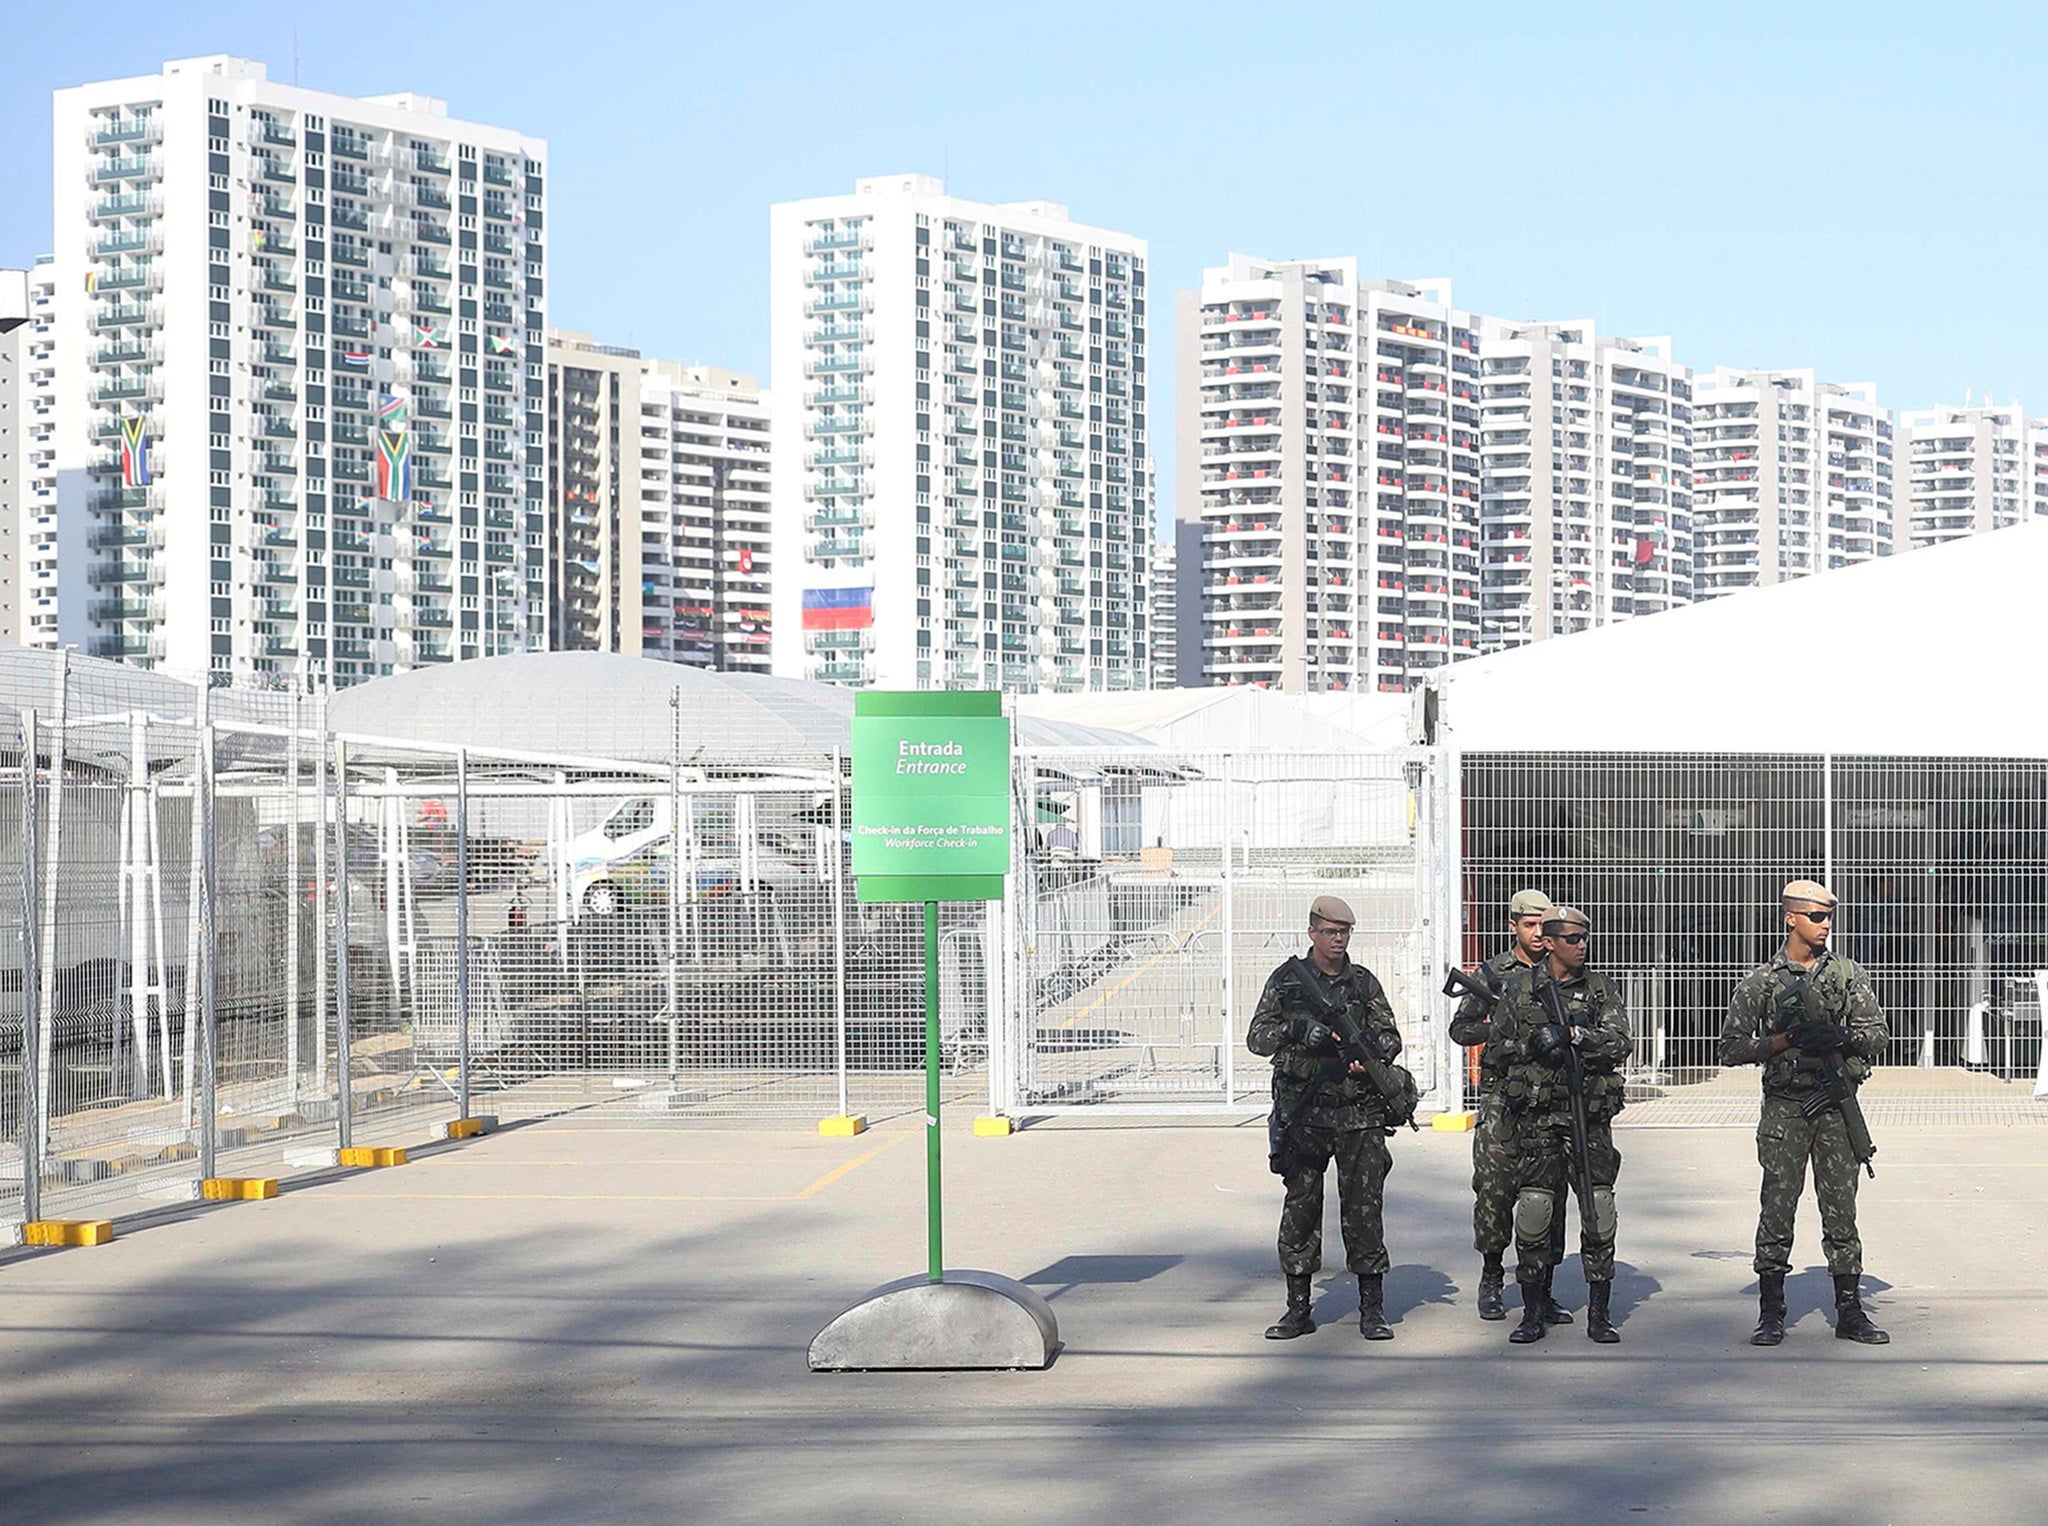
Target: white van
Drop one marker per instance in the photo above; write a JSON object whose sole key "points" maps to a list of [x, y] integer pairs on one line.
{"points": [[625, 860]]}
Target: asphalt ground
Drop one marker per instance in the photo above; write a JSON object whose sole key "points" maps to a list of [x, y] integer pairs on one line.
{"points": [[567, 1323]]}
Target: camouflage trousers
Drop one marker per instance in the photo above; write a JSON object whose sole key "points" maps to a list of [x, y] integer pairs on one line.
{"points": [[1546, 1184], [1785, 1141], [1363, 1161], [1496, 1175]]}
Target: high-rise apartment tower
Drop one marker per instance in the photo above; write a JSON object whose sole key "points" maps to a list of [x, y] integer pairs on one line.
{"points": [[961, 495], [299, 377]]}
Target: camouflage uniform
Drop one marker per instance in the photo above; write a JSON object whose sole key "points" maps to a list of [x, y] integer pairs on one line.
{"points": [[1347, 1121], [1785, 1139], [1539, 1101], [1496, 1154]]}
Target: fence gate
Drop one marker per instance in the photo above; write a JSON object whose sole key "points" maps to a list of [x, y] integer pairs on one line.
{"points": [[1155, 890]]}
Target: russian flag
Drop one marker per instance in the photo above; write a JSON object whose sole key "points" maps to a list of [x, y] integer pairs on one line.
{"points": [[838, 609]]}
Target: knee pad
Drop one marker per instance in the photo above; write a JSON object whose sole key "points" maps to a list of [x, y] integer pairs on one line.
{"points": [[1532, 1214], [1604, 1216]]}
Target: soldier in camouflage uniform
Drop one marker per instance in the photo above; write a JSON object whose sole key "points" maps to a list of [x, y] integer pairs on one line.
{"points": [[1338, 1114], [1496, 1157], [1766, 1027], [1535, 1044]]}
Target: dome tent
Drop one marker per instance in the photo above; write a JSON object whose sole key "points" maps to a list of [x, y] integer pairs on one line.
{"points": [[604, 705]]}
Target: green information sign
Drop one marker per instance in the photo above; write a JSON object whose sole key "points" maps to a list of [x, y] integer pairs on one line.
{"points": [[931, 796], [931, 823]]}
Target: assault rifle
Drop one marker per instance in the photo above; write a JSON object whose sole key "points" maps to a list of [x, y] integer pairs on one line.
{"points": [[1575, 1085], [1834, 1087], [1354, 1043], [1462, 985]]}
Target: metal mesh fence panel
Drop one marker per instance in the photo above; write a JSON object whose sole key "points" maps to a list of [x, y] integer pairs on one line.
{"points": [[1942, 866], [661, 944], [1157, 891]]}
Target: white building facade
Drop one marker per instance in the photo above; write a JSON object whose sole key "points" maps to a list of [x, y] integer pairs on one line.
{"points": [[30, 494], [658, 487], [1791, 476], [1328, 448], [961, 499], [1586, 495], [1164, 627], [15, 335], [1967, 470], [299, 377]]}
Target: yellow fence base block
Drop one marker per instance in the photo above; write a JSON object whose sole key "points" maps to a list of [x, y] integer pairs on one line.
{"points": [[360, 1156], [465, 1128], [56, 1232], [1452, 1123], [987, 1127], [237, 1189], [843, 1125]]}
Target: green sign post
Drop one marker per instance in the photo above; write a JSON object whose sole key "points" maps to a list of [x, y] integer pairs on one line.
{"points": [[931, 823]]}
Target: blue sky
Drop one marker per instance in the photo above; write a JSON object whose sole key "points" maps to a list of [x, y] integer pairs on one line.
{"points": [[1855, 188]]}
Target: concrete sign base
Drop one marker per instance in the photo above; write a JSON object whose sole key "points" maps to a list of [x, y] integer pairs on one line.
{"points": [[970, 1321]]}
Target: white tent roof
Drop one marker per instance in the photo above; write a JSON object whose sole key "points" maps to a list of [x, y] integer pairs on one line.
{"points": [[1237, 717], [1928, 654], [603, 705]]}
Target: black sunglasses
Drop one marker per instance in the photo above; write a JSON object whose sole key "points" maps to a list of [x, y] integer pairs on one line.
{"points": [[1330, 929], [1568, 938], [1816, 916]]}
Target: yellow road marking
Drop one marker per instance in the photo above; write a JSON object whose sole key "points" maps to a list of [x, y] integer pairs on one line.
{"points": [[565, 1197], [1180, 944], [838, 1171], [652, 1160], [857, 1162]]}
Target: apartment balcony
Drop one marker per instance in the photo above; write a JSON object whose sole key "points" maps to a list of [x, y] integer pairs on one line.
{"points": [[837, 238], [135, 130], [122, 536], [840, 333], [129, 647], [128, 204], [125, 573], [129, 389], [140, 315], [820, 428], [110, 171], [426, 230], [819, 307]]}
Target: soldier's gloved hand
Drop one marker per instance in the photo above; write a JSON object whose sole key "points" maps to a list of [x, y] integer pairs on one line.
{"points": [[1309, 1033], [1817, 1035], [1549, 1043]]}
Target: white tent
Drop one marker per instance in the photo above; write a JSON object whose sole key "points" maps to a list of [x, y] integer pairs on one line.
{"points": [[1228, 719], [1928, 654]]}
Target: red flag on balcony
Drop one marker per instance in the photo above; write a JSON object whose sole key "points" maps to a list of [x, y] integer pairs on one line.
{"points": [[1644, 551]]}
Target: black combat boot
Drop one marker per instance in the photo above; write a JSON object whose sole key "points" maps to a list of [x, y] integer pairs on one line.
{"points": [[1598, 1326], [1553, 1312], [1372, 1308], [1533, 1326], [1770, 1317], [1297, 1320], [1851, 1323], [1491, 1279]]}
